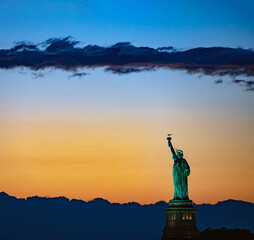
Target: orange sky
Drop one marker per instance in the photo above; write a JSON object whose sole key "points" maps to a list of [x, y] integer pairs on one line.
{"points": [[121, 153]]}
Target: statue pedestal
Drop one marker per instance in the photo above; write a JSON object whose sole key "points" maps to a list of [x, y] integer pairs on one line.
{"points": [[180, 221]]}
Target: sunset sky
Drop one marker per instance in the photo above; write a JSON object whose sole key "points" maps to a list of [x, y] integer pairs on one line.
{"points": [[102, 134]]}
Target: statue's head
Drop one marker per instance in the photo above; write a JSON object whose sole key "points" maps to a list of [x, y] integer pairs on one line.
{"points": [[179, 153]]}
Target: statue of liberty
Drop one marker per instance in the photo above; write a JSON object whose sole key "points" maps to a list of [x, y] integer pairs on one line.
{"points": [[181, 170]]}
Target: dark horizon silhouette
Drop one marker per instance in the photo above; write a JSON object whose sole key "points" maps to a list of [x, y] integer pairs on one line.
{"points": [[61, 218]]}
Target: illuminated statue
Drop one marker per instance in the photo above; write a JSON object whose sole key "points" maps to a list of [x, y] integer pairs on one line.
{"points": [[180, 213], [181, 171]]}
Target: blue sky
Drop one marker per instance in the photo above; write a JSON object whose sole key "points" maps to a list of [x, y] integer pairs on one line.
{"points": [[183, 24]]}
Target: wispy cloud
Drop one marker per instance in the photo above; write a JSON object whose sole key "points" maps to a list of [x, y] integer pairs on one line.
{"points": [[248, 84], [125, 58], [129, 69], [78, 74]]}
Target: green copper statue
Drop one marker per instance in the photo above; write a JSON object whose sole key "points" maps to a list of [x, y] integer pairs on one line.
{"points": [[181, 170]]}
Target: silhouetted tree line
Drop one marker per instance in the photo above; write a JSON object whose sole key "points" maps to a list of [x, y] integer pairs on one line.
{"points": [[226, 234], [41, 218]]}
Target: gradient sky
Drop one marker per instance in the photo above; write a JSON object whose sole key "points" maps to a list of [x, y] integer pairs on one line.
{"points": [[104, 135]]}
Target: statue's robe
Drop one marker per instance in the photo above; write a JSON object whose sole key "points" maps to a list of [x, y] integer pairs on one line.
{"points": [[181, 170]]}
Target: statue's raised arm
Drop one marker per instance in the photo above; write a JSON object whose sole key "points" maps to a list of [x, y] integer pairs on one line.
{"points": [[171, 147]]}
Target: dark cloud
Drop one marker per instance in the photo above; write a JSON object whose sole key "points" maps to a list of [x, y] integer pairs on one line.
{"points": [[124, 58], [126, 70], [166, 49], [24, 46], [248, 84], [78, 74], [60, 45], [38, 75], [218, 81]]}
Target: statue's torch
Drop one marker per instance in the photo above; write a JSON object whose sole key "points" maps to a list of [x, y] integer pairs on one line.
{"points": [[169, 136], [169, 139]]}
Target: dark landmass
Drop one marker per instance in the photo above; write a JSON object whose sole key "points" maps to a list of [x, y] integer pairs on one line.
{"points": [[224, 234], [41, 218]]}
